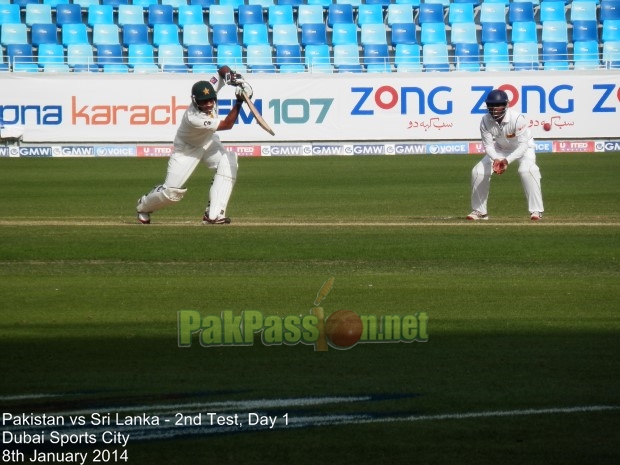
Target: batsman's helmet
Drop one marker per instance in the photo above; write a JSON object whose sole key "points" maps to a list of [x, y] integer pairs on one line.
{"points": [[202, 91], [497, 102]]}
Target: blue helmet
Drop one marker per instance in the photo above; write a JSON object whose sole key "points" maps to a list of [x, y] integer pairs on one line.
{"points": [[497, 102]]}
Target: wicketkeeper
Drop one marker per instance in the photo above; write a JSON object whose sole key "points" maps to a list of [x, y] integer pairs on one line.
{"points": [[506, 138], [196, 141]]}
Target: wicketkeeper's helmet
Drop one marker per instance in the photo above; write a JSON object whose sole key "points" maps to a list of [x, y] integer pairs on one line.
{"points": [[497, 102]]}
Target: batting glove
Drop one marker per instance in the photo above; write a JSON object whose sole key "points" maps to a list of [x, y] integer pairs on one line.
{"points": [[247, 88], [233, 78], [239, 94]]}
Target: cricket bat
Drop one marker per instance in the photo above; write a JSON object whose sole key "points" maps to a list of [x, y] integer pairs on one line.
{"points": [[259, 118]]}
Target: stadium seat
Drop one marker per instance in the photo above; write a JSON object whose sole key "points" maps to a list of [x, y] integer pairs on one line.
{"points": [[205, 4], [491, 12], [435, 57], [200, 58], [554, 31], [264, 4], [524, 31], [130, 14], [463, 33], [141, 58], [494, 32], [284, 34], [84, 4], [347, 58], [54, 3], [14, 34], [43, 34], [165, 34], [610, 10], [317, 59], [195, 34], [415, 4], [444, 3], [100, 14], [255, 34], [279, 14], [221, 14], [109, 54], [159, 14], [68, 13], [611, 30], [399, 13], [289, 59], [407, 58], [11, 14], [520, 11], [80, 58], [376, 58], [495, 56], [433, 33], [525, 56], [105, 34], [51, 57], [74, 34], [143, 3], [404, 33], [461, 13], [552, 11], [467, 56], [586, 55], [234, 3], [224, 34], [585, 30], [581, 10], [430, 13], [171, 58], [323, 3], [369, 14], [38, 14], [611, 54], [21, 58], [250, 14], [344, 33], [135, 34], [310, 14], [383, 3], [175, 4], [554, 56], [354, 3], [339, 13], [231, 55], [312, 34], [190, 14], [259, 58], [372, 33]]}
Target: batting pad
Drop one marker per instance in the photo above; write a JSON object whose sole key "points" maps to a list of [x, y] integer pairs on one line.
{"points": [[160, 197]]}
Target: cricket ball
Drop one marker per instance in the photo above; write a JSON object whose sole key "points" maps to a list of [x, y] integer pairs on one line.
{"points": [[547, 126], [344, 328]]}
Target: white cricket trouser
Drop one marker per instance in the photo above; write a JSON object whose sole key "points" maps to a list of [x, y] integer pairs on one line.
{"points": [[530, 180]]}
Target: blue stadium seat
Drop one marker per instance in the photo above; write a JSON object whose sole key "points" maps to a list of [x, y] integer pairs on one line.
{"points": [[494, 32], [339, 13], [38, 14], [582, 10], [354, 3], [310, 14], [68, 13], [234, 3], [611, 30], [610, 9], [317, 59], [80, 58], [525, 56], [585, 30], [135, 34], [491, 12], [4, 66], [435, 57], [520, 11], [190, 14], [524, 31], [259, 58], [51, 57], [115, 3], [11, 14], [404, 33], [554, 31], [369, 14], [279, 14], [141, 58], [586, 55], [224, 34], [100, 14], [293, 3], [461, 13], [54, 3], [175, 4], [433, 33], [14, 34], [414, 3], [324, 3], [159, 14], [105, 34], [495, 56], [143, 3], [289, 59], [21, 3], [399, 13], [407, 58], [171, 58], [165, 34], [205, 4], [373, 33], [250, 14], [312, 34], [255, 34], [21, 58], [284, 34], [43, 34], [430, 13], [109, 54], [344, 33], [554, 56], [473, 2], [376, 58], [467, 56], [221, 14], [200, 58], [444, 3], [264, 4], [611, 54], [463, 33], [552, 11], [195, 34], [231, 55], [347, 58], [74, 33], [130, 14]]}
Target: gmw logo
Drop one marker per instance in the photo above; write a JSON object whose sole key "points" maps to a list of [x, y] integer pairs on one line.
{"points": [[341, 330]]}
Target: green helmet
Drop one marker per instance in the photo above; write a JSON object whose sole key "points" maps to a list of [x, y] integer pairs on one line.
{"points": [[202, 91]]}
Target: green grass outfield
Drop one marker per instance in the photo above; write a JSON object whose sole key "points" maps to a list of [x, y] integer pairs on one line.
{"points": [[522, 362]]}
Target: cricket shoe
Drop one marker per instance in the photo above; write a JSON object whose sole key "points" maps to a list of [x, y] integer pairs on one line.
{"points": [[219, 220], [535, 216], [144, 218], [476, 215]]}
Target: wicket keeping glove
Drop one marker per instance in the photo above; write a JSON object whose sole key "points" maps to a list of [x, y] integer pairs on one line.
{"points": [[499, 166]]}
